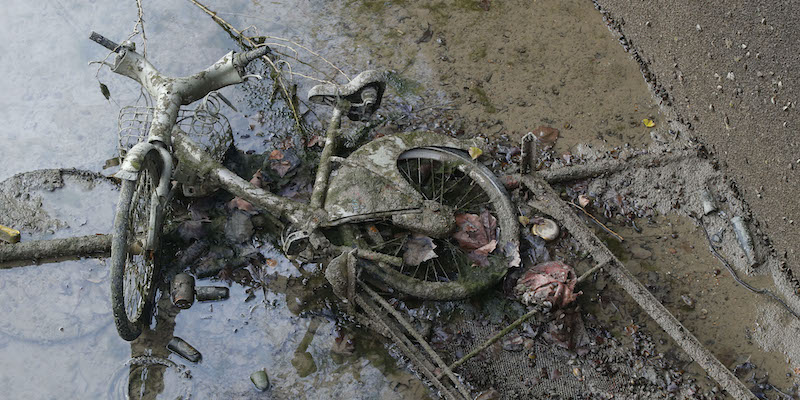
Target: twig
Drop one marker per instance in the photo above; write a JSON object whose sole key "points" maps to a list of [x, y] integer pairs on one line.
{"points": [[247, 43], [48, 249], [762, 291], [607, 229], [495, 338], [516, 323]]}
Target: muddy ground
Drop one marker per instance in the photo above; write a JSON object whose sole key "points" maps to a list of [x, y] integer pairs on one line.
{"points": [[729, 70]]}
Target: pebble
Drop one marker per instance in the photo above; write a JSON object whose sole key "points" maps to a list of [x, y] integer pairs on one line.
{"points": [[260, 380], [688, 300], [640, 253]]}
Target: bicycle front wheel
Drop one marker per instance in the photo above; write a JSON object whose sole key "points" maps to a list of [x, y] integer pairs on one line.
{"points": [[134, 249], [451, 270]]}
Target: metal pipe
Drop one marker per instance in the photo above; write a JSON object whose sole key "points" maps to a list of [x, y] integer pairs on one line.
{"points": [[182, 290], [324, 169]]}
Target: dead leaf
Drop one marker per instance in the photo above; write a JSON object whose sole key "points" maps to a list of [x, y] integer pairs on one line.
{"points": [[258, 179], [313, 140], [487, 248], [282, 168], [475, 231], [511, 250], [271, 262], [648, 123], [104, 90], [239, 203], [546, 135], [475, 152], [276, 155], [418, 249]]}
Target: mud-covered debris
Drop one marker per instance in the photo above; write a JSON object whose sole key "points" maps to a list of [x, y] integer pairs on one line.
{"points": [[688, 301], [418, 249], [536, 252], [745, 240], [552, 282], [490, 394], [192, 230], [282, 162], [426, 35], [239, 228], [566, 330], [344, 344], [192, 253], [640, 253]]}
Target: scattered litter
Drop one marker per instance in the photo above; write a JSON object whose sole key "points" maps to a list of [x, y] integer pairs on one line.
{"points": [[182, 290], [745, 240], [708, 201], [183, 349], [211, 293]]}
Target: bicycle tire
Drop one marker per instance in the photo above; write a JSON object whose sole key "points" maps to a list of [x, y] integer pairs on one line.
{"points": [[134, 265], [470, 278]]}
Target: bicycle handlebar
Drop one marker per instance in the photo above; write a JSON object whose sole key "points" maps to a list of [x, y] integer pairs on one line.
{"points": [[171, 93], [101, 40], [245, 58]]}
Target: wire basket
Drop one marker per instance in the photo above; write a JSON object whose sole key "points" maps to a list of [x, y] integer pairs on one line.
{"points": [[204, 124]]}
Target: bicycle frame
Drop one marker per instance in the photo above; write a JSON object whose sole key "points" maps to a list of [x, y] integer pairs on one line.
{"points": [[170, 94]]}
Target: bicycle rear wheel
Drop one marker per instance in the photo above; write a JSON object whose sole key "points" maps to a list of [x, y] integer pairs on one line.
{"points": [[134, 249], [472, 194]]}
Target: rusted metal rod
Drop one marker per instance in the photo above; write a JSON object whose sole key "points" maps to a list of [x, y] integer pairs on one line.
{"points": [[548, 201]]}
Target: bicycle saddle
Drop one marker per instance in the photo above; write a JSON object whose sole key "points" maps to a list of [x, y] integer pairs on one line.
{"points": [[364, 92]]}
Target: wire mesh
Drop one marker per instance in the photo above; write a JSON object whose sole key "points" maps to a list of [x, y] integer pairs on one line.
{"points": [[204, 124]]}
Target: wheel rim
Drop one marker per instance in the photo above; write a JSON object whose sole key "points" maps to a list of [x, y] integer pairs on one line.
{"points": [[141, 256], [454, 181]]}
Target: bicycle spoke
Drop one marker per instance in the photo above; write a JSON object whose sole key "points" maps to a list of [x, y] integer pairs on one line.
{"points": [[471, 186]]}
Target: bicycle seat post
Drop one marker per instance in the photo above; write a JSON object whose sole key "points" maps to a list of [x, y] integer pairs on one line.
{"points": [[324, 168]]}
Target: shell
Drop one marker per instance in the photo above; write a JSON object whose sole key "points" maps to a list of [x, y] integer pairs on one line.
{"points": [[547, 230]]}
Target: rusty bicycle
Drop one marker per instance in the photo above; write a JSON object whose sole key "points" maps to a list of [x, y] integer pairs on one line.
{"points": [[412, 210]]}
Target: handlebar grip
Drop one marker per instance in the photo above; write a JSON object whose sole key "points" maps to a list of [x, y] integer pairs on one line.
{"points": [[245, 58], [101, 40]]}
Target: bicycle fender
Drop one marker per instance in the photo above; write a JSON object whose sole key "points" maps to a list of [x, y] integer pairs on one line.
{"points": [[166, 172], [133, 161]]}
